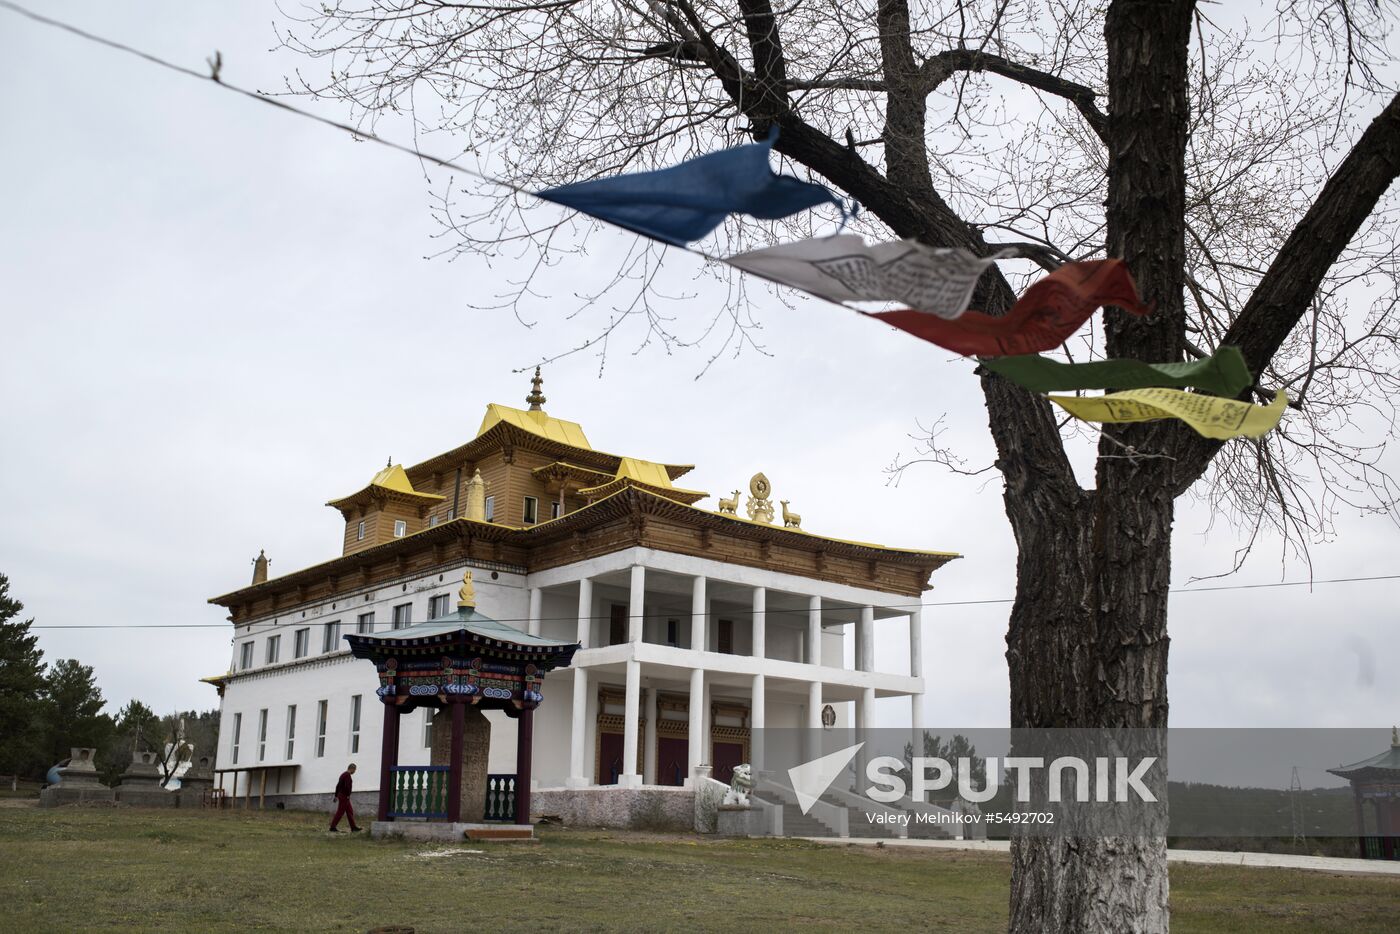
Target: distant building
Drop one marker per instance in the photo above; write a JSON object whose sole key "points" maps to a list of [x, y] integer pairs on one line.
{"points": [[697, 625]]}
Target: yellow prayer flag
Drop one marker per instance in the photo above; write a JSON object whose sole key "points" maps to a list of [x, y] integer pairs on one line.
{"points": [[1210, 416]]}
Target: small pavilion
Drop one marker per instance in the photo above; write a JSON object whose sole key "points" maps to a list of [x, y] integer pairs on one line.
{"points": [[1376, 781], [464, 664]]}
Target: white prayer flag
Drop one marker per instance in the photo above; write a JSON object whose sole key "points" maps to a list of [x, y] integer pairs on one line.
{"points": [[847, 269]]}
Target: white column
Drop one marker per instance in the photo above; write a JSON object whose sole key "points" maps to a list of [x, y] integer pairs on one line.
{"points": [[814, 630], [916, 670], [865, 715], [865, 637], [814, 719], [695, 730], [698, 623], [757, 714], [649, 753], [629, 777], [760, 622], [584, 635], [578, 737], [635, 603], [536, 601]]}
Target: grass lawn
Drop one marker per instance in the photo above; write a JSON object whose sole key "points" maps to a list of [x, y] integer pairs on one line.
{"points": [[81, 869]]}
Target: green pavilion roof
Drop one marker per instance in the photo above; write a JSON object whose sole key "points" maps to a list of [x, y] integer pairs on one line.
{"points": [[1376, 766], [464, 630]]}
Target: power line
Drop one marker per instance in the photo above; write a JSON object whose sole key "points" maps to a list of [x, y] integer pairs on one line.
{"points": [[850, 608]]}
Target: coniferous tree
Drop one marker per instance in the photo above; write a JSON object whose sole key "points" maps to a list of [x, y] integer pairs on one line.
{"points": [[21, 689], [73, 708]]}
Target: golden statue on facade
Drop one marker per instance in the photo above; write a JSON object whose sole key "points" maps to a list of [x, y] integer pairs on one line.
{"points": [[759, 507]]}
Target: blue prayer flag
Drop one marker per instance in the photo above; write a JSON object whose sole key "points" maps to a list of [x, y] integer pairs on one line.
{"points": [[687, 201]]}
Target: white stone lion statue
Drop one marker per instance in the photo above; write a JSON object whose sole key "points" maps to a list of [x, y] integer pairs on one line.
{"points": [[740, 786]]}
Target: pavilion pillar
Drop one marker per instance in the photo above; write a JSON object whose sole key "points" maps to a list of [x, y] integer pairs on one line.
{"points": [[695, 728], [524, 759], [629, 777], [454, 763], [636, 609], [388, 758], [578, 778]]}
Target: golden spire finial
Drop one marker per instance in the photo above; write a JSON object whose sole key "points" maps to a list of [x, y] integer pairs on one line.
{"points": [[466, 597], [536, 398]]}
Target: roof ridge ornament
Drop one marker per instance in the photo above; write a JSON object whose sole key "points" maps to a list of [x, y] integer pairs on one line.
{"points": [[536, 398], [1395, 736], [466, 597]]}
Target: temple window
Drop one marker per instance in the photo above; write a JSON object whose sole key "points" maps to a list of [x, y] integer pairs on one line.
{"points": [[365, 623], [237, 731], [262, 734], [617, 624], [490, 513], [330, 641], [400, 528], [432, 521], [360, 531], [556, 509], [403, 615], [724, 637], [354, 723], [291, 729], [531, 513], [438, 606], [673, 632], [321, 728], [301, 640], [427, 728], [274, 646], [245, 657]]}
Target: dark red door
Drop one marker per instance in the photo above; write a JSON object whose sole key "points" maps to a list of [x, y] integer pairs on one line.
{"points": [[609, 758], [727, 755], [672, 760]]}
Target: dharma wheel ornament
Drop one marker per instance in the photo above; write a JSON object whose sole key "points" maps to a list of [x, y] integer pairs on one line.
{"points": [[759, 507]]}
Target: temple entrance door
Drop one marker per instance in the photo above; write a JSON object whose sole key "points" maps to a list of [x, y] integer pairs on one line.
{"points": [[609, 758], [672, 760], [727, 755]]}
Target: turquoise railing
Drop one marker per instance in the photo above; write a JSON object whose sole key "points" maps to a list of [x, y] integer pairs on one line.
{"points": [[420, 791]]}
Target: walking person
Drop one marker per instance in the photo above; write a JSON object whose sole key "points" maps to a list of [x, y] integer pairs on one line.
{"points": [[342, 798]]}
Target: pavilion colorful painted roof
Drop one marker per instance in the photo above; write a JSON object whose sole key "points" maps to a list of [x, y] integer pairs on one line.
{"points": [[464, 628]]}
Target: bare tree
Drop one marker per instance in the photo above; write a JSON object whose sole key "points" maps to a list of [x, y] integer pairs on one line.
{"points": [[1241, 171]]}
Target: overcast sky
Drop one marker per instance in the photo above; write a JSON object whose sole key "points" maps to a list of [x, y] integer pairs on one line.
{"points": [[217, 317]]}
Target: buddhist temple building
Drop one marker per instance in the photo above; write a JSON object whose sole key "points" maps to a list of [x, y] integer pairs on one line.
{"points": [[674, 624], [1375, 788]]}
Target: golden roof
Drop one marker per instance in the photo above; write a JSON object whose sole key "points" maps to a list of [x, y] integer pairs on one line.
{"points": [[391, 481], [537, 423], [650, 476]]}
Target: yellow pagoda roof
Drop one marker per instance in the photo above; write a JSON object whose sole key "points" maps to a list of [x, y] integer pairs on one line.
{"points": [[649, 475], [391, 480], [536, 422]]}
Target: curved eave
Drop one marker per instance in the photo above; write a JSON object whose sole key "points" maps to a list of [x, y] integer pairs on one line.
{"points": [[687, 497], [371, 493], [377, 647]]}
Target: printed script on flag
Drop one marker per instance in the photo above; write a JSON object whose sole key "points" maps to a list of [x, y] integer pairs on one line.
{"points": [[845, 268], [1042, 319], [1209, 416]]}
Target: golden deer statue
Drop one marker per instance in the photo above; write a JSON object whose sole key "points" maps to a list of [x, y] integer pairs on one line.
{"points": [[791, 520], [730, 505]]}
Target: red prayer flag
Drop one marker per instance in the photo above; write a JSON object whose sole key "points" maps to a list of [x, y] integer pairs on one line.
{"points": [[1042, 319]]}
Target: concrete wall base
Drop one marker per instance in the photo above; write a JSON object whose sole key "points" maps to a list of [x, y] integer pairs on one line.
{"points": [[430, 831], [651, 807], [734, 820], [65, 793]]}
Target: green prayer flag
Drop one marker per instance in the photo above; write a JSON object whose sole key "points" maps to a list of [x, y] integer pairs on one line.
{"points": [[1224, 373]]}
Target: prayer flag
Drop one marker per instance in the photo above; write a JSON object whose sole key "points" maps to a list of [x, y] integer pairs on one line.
{"points": [[1209, 416], [1224, 373], [1042, 319], [847, 269], [687, 201]]}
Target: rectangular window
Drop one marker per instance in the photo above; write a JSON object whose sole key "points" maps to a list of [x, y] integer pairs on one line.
{"points": [[360, 531], [330, 639], [291, 730], [438, 606], [490, 514], [321, 727], [673, 632], [617, 625], [245, 656], [354, 723], [403, 615], [400, 528], [531, 512], [724, 637], [274, 647], [237, 732], [301, 642], [365, 623], [556, 509], [451, 513], [428, 727], [432, 521], [262, 734]]}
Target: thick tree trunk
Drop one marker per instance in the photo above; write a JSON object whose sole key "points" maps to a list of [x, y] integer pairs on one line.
{"points": [[1087, 643]]}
